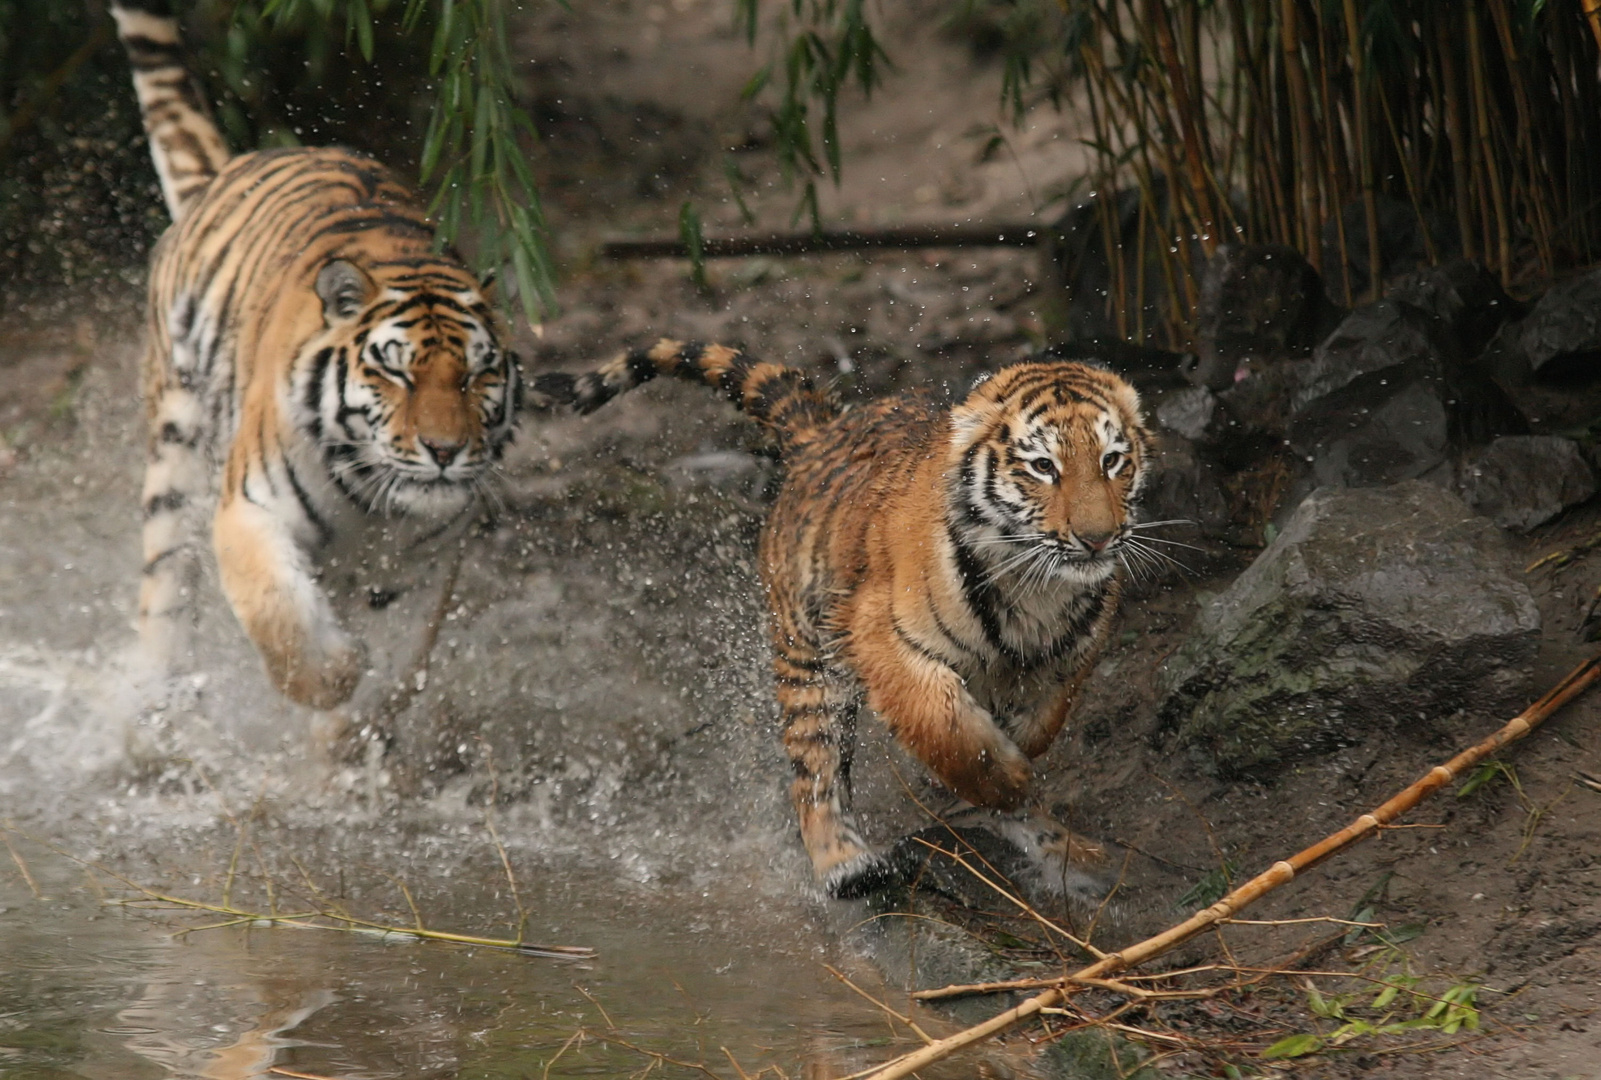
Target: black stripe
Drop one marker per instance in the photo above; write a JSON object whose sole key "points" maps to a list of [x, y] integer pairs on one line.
{"points": [[977, 592], [919, 648], [173, 435], [641, 368], [150, 567], [949, 634], [313, 393], [324, 531], [166, 501]]}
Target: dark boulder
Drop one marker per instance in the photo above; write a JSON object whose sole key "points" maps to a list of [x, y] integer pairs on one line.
{"points": [[1386, 398], [1526, 480], [1466, 297], [1258, 301], [1184, 486], [1373, 609], [1406, 242], [1561, 338]]}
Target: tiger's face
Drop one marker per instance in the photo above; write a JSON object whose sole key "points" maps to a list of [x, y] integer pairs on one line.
{"points": [[416, 398], [1051, 460]]}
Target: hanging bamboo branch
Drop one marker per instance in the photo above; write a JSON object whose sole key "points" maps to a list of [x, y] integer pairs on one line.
{"points": [[1280, 873]]}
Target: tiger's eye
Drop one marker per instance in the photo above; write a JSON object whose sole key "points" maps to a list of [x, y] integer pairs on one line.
{"points": [[1044, 466], [1111, 462]]}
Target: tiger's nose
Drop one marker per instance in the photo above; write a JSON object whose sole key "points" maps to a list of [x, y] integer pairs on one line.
{"points": [[1095, 541], [443, 451]]}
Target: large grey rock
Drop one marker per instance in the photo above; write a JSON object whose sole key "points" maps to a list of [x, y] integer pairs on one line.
{"points": [[1562, 334], [1387, 398], [1258, 301], [1526, 480], [1374, 608]]}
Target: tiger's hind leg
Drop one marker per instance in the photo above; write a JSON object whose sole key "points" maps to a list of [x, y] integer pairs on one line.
{"points": [[175, 485], [819, 721]]}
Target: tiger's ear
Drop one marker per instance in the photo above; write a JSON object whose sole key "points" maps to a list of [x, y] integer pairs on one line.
{"points": [[344, 290]]}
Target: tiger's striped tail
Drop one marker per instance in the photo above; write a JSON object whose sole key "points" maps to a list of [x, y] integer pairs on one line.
{"points": [[781, 399], [184, 141]]}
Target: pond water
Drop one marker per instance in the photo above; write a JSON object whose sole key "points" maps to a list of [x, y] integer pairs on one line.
{"points": [[93, 990]]}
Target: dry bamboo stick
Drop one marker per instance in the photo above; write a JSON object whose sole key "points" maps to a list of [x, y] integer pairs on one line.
{"points": [[1592, 14], [1278, 874]]}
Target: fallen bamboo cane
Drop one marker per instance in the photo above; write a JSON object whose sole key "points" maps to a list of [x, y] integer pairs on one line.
{"points": [[1280, 873]]}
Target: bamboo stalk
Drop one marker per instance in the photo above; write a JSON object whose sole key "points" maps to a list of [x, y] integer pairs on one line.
{"points": [[1306, 156], [1457, 133], [1280, 873], [1487, 155], [1526, 132], [1353, 33], [1592, 15]]}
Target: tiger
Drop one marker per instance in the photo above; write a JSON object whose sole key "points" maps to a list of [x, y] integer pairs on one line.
{"points": [[314, 364], [958, 569]]}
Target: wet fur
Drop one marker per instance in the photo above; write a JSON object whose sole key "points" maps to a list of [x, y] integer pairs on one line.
{"points": [[918, 559], [312, 362]]}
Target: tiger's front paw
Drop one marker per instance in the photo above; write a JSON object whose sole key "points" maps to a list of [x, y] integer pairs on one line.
{"points": [[997, 778], [862, 876], [320, 676]]}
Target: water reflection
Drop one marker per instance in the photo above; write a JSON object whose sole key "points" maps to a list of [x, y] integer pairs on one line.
{"points": [[92, 992]]}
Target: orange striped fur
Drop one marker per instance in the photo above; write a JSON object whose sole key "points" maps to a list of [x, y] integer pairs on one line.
{"points": [[312, 362], [955, 568]]}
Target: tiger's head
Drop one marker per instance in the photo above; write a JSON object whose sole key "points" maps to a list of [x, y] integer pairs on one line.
{"points": [[1049, 459], [410, 394]]}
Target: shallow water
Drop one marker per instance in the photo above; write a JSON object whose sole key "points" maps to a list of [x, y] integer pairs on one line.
{"points": [[95, 991], [642, 804]]}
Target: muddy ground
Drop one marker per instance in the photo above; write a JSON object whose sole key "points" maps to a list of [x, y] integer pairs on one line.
{"points": [[604, 646]]}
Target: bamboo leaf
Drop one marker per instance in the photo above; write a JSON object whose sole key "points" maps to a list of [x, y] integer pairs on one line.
{"points": [[1294, 1046]]}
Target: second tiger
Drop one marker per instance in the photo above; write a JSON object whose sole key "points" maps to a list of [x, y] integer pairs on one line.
{"points": [[957, 568]]}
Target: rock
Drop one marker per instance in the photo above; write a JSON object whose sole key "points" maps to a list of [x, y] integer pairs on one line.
{"points": [[1526, 480], [1386, 398], [1183, 486], [1402, 244], [1465, 296], [1561, 338], [1373, 609], [1195, 413], [1257, 300]]}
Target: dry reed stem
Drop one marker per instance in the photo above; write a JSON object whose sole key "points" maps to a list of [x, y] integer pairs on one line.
{"points": [[606, 1016], [1279, 874], [1023, 905], [345, 923], [494, 834], [904, 1019], [16, 857]]}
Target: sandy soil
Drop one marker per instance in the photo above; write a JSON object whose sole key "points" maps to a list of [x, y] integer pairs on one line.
{"points": [[625, 541]]}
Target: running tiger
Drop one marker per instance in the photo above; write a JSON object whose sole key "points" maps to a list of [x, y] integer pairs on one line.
{"points": [[957, 567], [312, 364]]}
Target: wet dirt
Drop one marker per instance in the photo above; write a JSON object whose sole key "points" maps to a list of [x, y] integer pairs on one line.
{"points": [[600, 677]]}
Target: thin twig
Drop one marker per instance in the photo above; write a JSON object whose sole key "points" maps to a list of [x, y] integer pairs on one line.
{"points": [[16, 857], [907, 1020]]}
